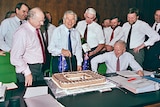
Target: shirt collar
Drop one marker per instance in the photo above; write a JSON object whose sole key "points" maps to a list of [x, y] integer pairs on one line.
{"points": [[17, 18], [157, 23], [31, 27], [66, 29]]}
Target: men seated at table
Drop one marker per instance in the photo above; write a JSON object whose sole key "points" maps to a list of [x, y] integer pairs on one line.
{"points": [[111, 60]]}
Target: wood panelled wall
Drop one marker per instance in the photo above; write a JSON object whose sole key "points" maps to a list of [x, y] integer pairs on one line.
{"points": [[105, 8]]}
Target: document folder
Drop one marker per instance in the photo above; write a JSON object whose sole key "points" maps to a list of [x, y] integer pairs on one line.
{"points": [[136, 85]]}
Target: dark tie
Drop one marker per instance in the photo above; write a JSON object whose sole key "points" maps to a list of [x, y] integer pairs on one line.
{"points": [[46, 34], [20, 22], [69, 42], [159, 31], [85, 32], [112, 35], [42, 47], [155, 28], [118, 65], [129, 37]]}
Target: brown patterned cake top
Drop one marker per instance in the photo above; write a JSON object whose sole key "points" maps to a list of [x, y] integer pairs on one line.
{"points": [[78, 79]]}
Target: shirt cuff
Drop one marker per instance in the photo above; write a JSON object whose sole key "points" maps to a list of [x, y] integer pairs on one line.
{"points": [[26, 71]]}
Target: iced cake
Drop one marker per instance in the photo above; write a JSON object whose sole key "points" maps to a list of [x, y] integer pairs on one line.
{"points": [[76, 79]]}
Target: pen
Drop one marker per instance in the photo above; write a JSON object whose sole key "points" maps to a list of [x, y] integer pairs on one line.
{"points": [[131, 79]]}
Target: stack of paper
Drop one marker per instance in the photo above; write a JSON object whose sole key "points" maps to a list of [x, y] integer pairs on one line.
{"points": [[129, 73], [43, 101], [137, 84], [39, 97], [10, 86], [2, 93]]}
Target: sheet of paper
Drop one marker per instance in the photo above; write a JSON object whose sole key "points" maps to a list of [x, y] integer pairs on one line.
{"points": [[86, 47], [42, 101], [137, 85], [35, 91], [127, 73], [147, 73], [11, 85]]}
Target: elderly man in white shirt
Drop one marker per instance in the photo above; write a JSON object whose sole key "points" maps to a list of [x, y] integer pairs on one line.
{"points": [[95, 38], [59, 44], [110, 58], [92, 33]]}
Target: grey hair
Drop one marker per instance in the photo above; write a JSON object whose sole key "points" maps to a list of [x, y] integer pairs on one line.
{"points": [[70, 12], [121, 42], [91, 11]]}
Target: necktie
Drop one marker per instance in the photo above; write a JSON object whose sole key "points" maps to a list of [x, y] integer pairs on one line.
{"points": [[128, 39], [112, 35], [159, 31], [155, 27], [20, 22], [46, 34], [85, 32], [42, 47], [118, 65], [69, 42]]}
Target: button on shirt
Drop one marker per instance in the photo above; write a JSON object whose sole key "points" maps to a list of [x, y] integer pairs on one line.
{"points": [[94, 34], [139, 30], [126, 59], [26, 48], [59, 41], [108, 32], [8, 27]]}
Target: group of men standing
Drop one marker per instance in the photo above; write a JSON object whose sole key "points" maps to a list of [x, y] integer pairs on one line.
{"points": [[28, 45]]}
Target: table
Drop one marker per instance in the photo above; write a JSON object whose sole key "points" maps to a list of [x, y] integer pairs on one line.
{"points": [[114, 98]]}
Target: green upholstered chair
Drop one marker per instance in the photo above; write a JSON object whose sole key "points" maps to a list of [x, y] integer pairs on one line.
{"points": [[102, 68], [7, 71]]}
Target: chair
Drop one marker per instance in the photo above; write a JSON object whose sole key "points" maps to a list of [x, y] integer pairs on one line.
{"points": [[7, 71], [102, 68]]}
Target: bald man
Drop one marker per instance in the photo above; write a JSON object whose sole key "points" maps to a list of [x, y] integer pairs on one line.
{"points": [[26, 51], [110, 58]]}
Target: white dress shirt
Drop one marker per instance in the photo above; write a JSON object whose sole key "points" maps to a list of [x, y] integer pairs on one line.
{"points": [[139, 30], [158, 26], [108, 33], [59, 41], [26, 48], [50, 30], [8, 27], [94, 34], [126, 59]]}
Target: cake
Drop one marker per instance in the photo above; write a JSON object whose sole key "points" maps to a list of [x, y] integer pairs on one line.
{"points": [[77, 79]]}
